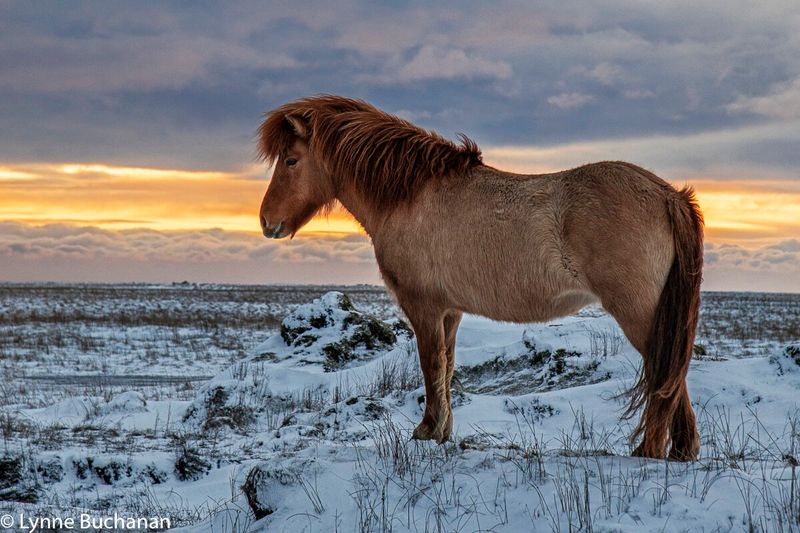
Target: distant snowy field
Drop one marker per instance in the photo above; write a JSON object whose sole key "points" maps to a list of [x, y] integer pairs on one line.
{"points": [[237, 408]]}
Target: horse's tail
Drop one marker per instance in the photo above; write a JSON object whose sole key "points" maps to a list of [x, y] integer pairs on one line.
{"points": [[671, 339]]}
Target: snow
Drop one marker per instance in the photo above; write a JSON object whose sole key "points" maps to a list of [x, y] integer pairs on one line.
{"points": [[324, 444]]}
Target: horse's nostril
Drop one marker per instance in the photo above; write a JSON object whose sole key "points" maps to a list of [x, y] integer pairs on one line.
{"points": [[264, 222]]}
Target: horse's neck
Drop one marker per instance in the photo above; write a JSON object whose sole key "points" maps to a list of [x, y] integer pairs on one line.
{"points": [[361, 210]]}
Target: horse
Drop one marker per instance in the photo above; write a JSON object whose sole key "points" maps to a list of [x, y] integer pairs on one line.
{"points": [[452, 235]]}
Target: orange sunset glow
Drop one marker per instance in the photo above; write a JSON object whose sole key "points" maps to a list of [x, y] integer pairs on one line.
{"points": [[114, 197]]}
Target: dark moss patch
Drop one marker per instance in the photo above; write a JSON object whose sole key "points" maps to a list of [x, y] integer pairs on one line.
{"points": [[534, 410], [698, 350], [290, 334], [190, 465], [16, 484], [305, 340], [366, 333], [113, 471], [266, 356], [319, 321], [374, 410], [401, 328], [51, 471], [153, 474], [83, 467], [793, 352], [345, 304]]}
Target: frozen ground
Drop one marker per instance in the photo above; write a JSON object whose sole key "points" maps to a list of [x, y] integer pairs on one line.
{"points": [[254, 409]]}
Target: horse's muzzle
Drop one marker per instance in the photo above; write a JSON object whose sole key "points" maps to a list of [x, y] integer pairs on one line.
{"points": [[272, 233]]}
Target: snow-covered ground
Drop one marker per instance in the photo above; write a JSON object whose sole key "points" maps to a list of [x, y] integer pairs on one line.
{"points": [[298, 416]]}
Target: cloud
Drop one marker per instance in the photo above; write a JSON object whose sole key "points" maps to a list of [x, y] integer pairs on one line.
{"points": [[63, 241], [745, 152], [604, 73], [184, 84], [572, 100], [789, 246], [431, 63], [782, 102], [70, 253], [638, 94], [779, 257], [95, 64]]}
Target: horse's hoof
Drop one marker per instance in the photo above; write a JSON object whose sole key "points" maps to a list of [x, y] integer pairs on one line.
{"points": [[684, 452], [448, 429], [426, 431], [641, 451]]}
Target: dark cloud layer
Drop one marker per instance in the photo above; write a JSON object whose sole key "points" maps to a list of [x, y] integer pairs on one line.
{"points": [[783, 256], [62, 241], [60, 252], [184, 83]]}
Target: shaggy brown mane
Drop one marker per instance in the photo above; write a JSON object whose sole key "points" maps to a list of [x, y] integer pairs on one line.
{"points": [[387, 158]]}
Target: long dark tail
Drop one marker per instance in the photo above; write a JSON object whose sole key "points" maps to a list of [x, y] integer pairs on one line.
{"points": [[671, 340]]}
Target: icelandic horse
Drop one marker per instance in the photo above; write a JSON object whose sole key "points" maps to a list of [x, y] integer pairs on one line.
{"points": [[452, 235]]}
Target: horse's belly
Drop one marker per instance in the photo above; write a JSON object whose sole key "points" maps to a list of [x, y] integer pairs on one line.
{"points": [[533, 302]]}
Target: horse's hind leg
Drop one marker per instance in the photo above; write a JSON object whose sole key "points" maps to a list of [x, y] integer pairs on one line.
{"points": [[683, 431], [655, 422], [635, 321]]}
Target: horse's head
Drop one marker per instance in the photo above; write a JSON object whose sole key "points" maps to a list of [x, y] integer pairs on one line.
{"points": [[298, 188]]}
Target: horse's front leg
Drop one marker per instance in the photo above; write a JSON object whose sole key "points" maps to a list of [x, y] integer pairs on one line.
{"points": [[451, 321], [431, 344]]}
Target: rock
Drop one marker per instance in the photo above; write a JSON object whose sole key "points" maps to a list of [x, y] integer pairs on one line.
{"points": [[331, 331]]}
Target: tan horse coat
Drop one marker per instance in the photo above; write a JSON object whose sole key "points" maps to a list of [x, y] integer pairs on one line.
{"points": [[468, 238]]}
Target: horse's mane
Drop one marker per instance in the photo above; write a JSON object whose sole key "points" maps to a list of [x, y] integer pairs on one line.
{"points": [[389, 159]]}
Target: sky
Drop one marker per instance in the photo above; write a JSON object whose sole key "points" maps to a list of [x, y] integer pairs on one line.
{"points": [[127, 129]]}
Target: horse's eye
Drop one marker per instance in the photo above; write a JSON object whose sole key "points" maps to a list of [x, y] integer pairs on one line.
{"points": [[291, 162]]}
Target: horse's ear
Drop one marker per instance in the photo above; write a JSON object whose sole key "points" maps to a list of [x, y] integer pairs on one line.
{"points": [[299, 126]]}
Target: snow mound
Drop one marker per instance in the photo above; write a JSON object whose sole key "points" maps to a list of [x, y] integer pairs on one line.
{"points": [[126, 402], [322, 347], [77, 408]]}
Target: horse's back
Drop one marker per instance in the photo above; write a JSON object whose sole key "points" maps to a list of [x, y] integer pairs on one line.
{"points": [[526, 247]]}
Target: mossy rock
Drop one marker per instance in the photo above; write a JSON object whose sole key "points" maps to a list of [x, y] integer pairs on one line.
{"points": [[262, 487]]}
